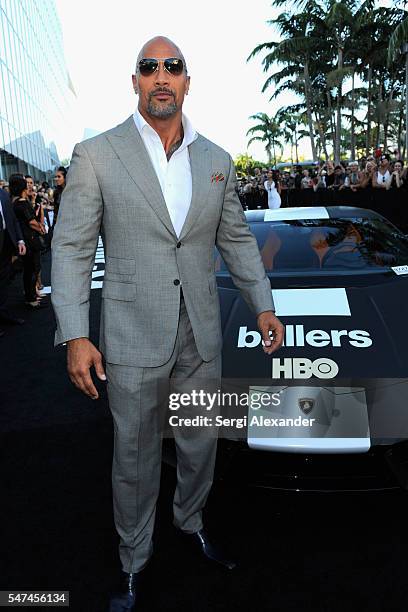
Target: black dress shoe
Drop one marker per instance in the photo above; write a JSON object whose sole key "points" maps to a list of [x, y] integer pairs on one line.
{"points": [[203, 543], [127, 594]]}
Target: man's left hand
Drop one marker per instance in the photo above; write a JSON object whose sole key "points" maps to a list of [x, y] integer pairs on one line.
{"points": [[267, 321], [21, 248]]}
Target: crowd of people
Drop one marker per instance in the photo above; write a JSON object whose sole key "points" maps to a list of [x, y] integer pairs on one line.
{"points": [[28, 213], [269, 188]]}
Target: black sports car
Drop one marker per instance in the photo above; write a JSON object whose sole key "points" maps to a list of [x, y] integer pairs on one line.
{"points": [[339, 278]]}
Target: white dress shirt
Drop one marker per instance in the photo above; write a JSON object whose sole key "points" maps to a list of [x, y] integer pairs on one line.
{"points": [[174, 175]]}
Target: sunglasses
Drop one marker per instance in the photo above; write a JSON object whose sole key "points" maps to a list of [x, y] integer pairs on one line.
{"points": [[149, 65]]}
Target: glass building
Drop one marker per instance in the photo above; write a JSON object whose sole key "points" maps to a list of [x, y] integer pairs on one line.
{"points": [[36, 94]]}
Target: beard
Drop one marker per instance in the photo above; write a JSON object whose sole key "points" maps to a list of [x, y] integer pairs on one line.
{"points": [[160, 110]]}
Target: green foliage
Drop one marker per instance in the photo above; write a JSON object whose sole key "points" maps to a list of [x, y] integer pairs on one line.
{"points": [[322, 48], [268, 131], [245, 164]]}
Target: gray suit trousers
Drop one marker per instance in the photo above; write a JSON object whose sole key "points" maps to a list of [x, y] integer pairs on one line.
{"points": [[138, 399]]}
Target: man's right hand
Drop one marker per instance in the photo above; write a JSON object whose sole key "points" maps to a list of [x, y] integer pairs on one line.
{"points": [[81, 355]]}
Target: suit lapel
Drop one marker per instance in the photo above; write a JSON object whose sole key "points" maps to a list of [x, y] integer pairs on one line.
{"points": [[200, 161], [128, 144]]}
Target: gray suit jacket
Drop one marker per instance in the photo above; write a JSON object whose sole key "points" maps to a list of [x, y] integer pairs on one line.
{"points": [[112, 189]]}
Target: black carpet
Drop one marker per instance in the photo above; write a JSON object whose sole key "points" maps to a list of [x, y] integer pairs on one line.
{"points": [[298, 552]]}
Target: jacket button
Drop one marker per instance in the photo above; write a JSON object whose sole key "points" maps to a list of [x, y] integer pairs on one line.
{"points": [[178, 245], [176, 281]]}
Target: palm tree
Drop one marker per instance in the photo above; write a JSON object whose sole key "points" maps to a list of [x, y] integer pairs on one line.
{"points": [[292, 123], [342, 22], [296, 50], [399, 42], [268, 131], [327, 44], [399, 37]]}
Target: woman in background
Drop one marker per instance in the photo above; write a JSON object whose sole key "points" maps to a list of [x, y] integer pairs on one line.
{"points": [[274, 199], [60, 179], [397, 175], [32, 230], [39, 217]]}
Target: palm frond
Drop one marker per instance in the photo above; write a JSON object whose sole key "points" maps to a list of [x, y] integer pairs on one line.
{"points": [[398, 38]]}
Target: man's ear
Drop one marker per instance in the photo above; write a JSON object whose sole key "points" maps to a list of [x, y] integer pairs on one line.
{"points": [[134, 83], [187, 85]]}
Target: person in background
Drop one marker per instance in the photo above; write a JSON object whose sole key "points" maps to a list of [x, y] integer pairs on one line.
{"points": [[320, 180], [263, 196], [306, 182], [48, 211], [256, 194], [352, 177], [247, 193], [284, 186], [31, 230], [39, 216], [60, 179], [397, 176], [339, 176], [274, 199], [258, 175], [396, 155], [31, 189], [382, 177], [355, 175], [329, 168], [11, 242], [366, 176]]}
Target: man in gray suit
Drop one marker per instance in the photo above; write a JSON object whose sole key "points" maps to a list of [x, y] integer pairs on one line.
{"points": [[162, 196]]}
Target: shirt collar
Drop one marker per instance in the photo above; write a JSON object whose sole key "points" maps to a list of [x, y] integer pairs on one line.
{"points": [[190, 133]]}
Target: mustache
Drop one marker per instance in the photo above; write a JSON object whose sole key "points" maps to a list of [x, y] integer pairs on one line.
{"points": [[162, 90]]}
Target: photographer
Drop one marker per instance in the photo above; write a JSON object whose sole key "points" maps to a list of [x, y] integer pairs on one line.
{"points": [[247, 194], [321, 182]]}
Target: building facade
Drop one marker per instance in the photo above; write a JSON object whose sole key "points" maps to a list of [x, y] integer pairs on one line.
{"points": [[36, 94]]}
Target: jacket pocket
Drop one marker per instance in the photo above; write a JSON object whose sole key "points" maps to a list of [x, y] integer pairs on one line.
{"points": [[118, 265], [114, 290]]}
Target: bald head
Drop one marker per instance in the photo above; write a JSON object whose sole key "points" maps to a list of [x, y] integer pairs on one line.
{"points": [[159, 40], [161, 90]]}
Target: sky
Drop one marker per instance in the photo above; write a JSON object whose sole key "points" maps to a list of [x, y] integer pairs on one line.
{"points": [[102, 40]]}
